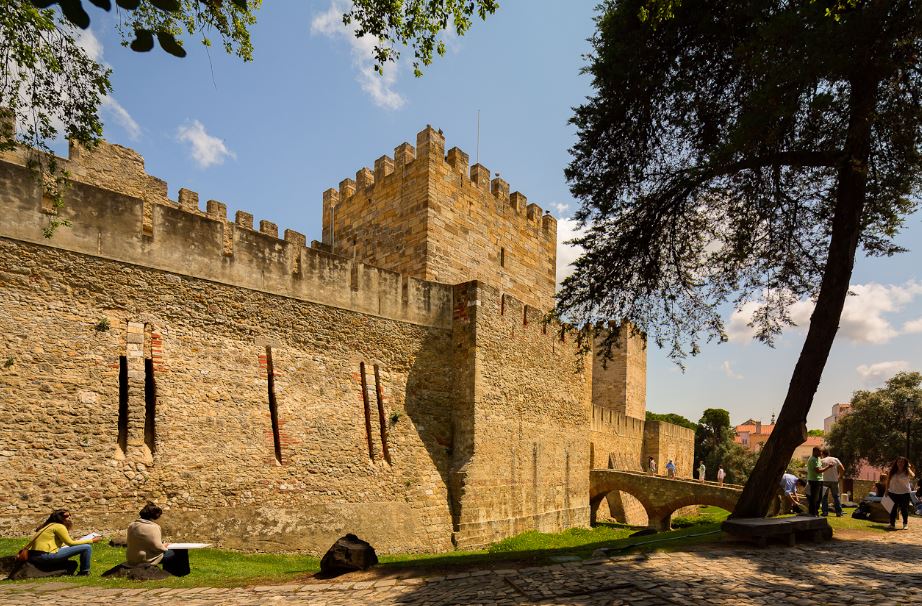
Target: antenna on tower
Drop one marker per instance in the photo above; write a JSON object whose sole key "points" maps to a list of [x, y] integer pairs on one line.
{"points": [[477, 153]]}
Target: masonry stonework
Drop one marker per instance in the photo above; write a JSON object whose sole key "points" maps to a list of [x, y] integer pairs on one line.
{"points": [[274, 396], [433, 217]]}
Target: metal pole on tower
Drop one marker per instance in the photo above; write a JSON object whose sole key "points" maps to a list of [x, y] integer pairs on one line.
{"points": [[477, 155]]}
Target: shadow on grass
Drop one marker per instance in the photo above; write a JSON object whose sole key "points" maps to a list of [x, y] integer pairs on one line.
{"points": [[426, 564]]}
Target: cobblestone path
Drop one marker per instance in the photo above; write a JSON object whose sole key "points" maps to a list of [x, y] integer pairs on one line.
{"points": [[884, 570]]}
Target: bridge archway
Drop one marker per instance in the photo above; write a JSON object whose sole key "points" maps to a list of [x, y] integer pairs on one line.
{"points": [[659, 496]]}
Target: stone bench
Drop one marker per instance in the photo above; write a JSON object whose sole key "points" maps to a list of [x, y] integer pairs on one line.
{"points": [[787, 529]]}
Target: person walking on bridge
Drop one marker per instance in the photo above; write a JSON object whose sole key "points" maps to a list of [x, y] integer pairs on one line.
{"points": [[670, 469], [651, 465], [721, 475], [701, 470]]}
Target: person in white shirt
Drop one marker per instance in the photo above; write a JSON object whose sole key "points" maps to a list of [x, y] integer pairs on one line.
{"points": [[721, 474], [651, 465], [899, 485], [832, 469]]}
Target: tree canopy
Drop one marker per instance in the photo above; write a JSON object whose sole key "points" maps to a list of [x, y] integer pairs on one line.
{"points": [[743, 151], [53, 87], [671, 417], [875, 428]]}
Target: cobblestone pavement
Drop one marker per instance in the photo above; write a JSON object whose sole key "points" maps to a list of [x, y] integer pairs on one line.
{"points": [[881, 569]]}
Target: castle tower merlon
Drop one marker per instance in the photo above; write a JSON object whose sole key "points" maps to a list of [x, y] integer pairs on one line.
{"points": [[243, 219], [364, 179], [295, 238], [216, 210], [331, 197], [383, 167], [188, 200], [430, 145], [518, 201], [269, 228], [346, 189], [549, 225], [458, 161], [500, 189], [534, 213], [480, 176], [404, 154]]}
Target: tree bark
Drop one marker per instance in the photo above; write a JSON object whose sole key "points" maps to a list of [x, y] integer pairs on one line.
{"points": [[791, 428]]}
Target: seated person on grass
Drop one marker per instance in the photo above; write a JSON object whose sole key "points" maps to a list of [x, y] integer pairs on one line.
{"points": [[145, 546], [52, 545]]}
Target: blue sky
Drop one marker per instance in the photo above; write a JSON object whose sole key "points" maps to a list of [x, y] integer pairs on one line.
{"points": [[269, 136]]}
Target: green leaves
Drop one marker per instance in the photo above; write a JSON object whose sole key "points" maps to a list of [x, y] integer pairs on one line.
{"points": [[143, 41], [73, 12], [875, 428], [417, 24], [170, 6], [166, 19], [707, 158], [170, 45]]}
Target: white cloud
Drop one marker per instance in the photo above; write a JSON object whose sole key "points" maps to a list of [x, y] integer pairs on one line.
{"points": [[913, 326], [561, 209], [877, 373], [863, 317], [91, 45], [380, 86], [205, 149], [728, 370], [566, 253], [121, 116]]}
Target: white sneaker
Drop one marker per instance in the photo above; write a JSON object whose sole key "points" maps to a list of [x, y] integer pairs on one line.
{"points": [[904, 526]]}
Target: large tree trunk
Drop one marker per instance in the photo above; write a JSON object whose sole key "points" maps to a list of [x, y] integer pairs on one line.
{"points": [[791, 428]]}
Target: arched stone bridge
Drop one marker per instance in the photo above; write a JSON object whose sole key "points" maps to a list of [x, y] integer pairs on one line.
{"points": [[659, 495]]}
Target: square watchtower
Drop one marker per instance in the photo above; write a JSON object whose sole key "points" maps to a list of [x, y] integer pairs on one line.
{"points": [[429, 215]]}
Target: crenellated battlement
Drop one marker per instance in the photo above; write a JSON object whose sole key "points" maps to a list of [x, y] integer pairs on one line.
{"points": [[431, 214], [429, 155], [609, 421], [119, 212]]}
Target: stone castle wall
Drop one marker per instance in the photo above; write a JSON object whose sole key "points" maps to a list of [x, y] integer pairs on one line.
{"points": [[429, 215], [520, 453], [139, 342], [616, 442], [274, 396], [620, 383], [664, 441]]}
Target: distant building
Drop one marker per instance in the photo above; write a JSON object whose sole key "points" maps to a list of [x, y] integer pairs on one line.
{"points": [[838, 411], [752, 435], [865, 471]]}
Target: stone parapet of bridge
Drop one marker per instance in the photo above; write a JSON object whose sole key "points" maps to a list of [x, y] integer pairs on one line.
{"points": [[660, 496]]}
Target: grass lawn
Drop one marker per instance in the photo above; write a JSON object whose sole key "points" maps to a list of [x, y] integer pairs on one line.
{"points": [[222, 568]]}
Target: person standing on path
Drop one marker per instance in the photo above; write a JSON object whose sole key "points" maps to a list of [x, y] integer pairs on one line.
{"points": [[832, 469], [701, 470], [721, 474], [815, 482], [670, 469], [899, 485], [651, 465]]}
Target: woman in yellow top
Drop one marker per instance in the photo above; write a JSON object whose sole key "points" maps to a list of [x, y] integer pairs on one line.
{"points": [[53, 543]]}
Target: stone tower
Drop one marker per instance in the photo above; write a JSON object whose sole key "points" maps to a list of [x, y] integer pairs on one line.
{"points": [[429, 215]]}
